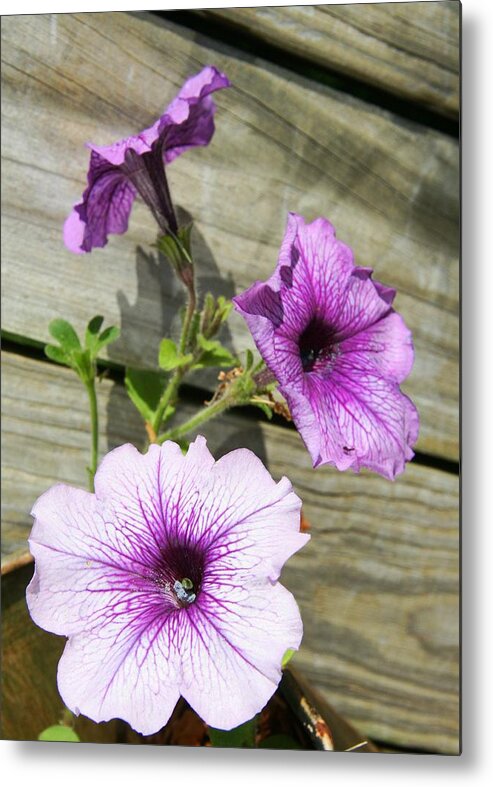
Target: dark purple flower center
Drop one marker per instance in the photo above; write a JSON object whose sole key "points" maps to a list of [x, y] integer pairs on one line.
{"points": [[317, 345], [180, 571]]}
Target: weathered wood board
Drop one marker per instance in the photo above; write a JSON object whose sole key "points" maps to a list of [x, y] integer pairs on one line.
{"points": [[377, 584], [409, 49], [282, 143]]}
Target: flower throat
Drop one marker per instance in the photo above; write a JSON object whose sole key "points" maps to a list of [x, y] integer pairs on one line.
{"points": [[317, 346]]}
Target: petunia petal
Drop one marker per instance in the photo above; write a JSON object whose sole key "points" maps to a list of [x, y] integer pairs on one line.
{"points": [[105, 207], [131, 485], [128, 668], [245, 532], [364, 420], [83, 562], [73, 233], [189, 119], [386, 344], [234, 646]]}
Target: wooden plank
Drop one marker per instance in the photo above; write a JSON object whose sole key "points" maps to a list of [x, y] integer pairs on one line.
{"points": [[408, 49], [377, 584], [282, 143]]}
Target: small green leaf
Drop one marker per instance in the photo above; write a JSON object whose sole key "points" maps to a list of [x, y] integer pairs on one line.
{"points": [[279, 741], [213, 354], [56, 354], [109, 335], [59, 732], [168, 353], [92, 332], [95, 341], [64, 333], [224, 307], [169, 357], [287, 657], [249, 360], [238, 738], [176, 248], [184, 235], [144, 389], [168, 412], [184, 445]]}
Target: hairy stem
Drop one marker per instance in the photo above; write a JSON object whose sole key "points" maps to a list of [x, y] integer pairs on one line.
{"points": [[167, 398], [192, 304], [201, 417]]}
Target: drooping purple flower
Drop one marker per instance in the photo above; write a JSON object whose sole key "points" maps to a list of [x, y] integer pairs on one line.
{"points": [[136, 165], [338, 349], [165, 583]]}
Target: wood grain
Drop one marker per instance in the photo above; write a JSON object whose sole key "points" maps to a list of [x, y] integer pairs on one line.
{"points": [[282, 143], [377, 584], [408, 49]]}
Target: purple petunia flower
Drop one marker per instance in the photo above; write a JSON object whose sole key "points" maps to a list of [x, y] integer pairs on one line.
{"points": [[330, 336], [165, 582], [117, 173]]}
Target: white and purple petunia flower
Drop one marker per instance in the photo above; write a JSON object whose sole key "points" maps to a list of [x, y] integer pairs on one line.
{"points": [[118, 172], [339, 351], [165, 583]]}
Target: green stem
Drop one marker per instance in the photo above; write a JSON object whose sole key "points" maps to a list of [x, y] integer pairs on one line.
{"points": [[202, 416], [171, 389], [167, 397], [93, 406], [192, 303]]}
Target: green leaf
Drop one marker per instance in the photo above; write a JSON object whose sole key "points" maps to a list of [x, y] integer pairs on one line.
{"points": [[59, 732], [176, 247], [109, 335], [144, 389], [184, 445], [95, 341], [92, 332], [168, 412], [287, 657], [64, 333], [238, 738], [279, 741], [224, 307], [248, 360], [56, 354], [184, 235], [168, 353], [213, 354], [169, 357]]}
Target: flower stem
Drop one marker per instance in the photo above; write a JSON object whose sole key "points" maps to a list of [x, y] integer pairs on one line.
{"points": [[169, 394], [192, 304], [93, 407], [201, 417], [171, 389]]}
